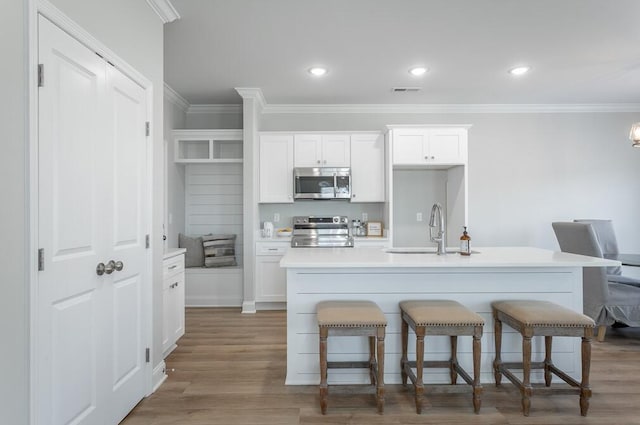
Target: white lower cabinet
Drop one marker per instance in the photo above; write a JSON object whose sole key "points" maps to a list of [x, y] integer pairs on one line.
{"points": [[172, 301], [271, 280]]}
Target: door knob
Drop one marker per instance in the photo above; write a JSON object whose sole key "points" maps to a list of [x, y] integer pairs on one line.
{"points": [[119, 265], [110, 267], [100, 269]]}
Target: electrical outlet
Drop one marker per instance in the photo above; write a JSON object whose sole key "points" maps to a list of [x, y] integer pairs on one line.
{"points": [[276, 217], [419, 216], [365, 217]]}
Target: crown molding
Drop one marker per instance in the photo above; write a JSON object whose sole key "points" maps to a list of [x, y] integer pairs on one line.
{"points": [[253, 93], [447, 108], [214, 109], [165, 10], [174, 97]]}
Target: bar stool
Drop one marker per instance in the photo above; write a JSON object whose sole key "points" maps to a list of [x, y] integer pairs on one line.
{"points": [[440, 317], [531, 318], [352, 318]]}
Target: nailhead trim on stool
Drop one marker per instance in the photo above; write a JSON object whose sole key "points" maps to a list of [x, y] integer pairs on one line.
{"points": [[440, 317], [352, 318], [531, 318]]}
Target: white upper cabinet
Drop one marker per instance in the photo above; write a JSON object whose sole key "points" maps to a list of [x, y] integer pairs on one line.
{"points": [[367, 168], [322, 150], [429, 146], [276, 168]]}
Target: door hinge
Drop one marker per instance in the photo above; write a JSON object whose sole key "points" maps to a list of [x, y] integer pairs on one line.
{"points": [[40, 75], [41, 259], [146, 128], [147, 241], [147, 355]]}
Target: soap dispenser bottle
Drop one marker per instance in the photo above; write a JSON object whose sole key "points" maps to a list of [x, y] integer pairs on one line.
{"points": [[465, 245]]}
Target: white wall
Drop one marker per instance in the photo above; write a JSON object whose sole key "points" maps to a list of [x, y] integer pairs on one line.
{"points": [[527, 170], [207, 120], [174, 117], [14, 354]]}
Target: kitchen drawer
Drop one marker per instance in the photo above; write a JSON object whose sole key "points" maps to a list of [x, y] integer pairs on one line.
{"points": [[172, 266], [272, 248]]}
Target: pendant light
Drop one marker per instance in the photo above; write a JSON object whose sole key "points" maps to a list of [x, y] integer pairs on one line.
{"points": [[634, 135]]}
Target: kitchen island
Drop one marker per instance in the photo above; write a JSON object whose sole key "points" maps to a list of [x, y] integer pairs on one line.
{"points": [[387, 278]]}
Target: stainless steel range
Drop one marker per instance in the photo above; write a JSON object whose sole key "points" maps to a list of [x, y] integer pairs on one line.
{"points": [[311, 231]]}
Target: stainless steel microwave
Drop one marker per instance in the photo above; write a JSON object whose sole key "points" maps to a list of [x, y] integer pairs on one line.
{"points": [[322, 183]]}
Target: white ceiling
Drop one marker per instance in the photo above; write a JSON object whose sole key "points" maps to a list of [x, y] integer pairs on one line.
{"points": [[580, 51]]}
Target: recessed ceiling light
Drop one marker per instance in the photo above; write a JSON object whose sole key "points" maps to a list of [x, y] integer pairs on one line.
{"points": [[418, 70], [519, 70], [318, 71]]}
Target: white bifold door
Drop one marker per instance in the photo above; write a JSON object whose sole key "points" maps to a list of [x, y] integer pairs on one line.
{"points": [[93, 291]]}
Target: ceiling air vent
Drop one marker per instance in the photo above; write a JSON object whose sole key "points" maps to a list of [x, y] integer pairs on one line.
{"points": [[406, 89]]}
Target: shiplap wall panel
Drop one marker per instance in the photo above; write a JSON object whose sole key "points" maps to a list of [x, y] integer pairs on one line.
{"points": [[213, 201]]}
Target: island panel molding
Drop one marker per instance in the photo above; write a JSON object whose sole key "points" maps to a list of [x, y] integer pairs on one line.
{"points": [[373, 274]]}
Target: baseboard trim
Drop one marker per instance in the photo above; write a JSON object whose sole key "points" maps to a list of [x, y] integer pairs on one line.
{"points": [[271, 305], [249, 307], [159, 376], [213, 302]]}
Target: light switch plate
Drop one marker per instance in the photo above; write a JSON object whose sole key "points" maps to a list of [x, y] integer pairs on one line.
{"points": [[365, 217], [419, 216], [276, 217]]}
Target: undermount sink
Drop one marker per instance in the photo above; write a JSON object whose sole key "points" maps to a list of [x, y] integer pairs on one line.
{"points": [[421, 250]]}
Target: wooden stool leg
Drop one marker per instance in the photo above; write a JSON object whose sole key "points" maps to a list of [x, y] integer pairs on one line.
{"points": [[497, 325], [585, 391], [454, 360], [324, 388], [547, 360], [372, 359], [419, 385], [405, 343], [477, 387], [380, 377], [526, 389]]}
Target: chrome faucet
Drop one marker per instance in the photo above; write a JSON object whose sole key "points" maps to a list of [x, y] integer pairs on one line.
{"points": [[437, 220]]}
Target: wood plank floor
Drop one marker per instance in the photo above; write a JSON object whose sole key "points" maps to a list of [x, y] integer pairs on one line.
{"points": [[229, 368]]}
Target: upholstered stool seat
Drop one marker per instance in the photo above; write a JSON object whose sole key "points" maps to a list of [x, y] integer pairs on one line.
{"points": [[531, 318], [352, 318], [440, 317]]}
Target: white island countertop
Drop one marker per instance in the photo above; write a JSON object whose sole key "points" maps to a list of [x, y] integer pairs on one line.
{"points": [[376, 257]]}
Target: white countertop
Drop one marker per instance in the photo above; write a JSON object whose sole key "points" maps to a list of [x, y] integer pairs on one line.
{"points": [[485, 257], [172, 252]]}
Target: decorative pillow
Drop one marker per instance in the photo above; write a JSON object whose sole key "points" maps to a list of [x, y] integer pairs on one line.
{"points": [[195, 253], [219, 250]]}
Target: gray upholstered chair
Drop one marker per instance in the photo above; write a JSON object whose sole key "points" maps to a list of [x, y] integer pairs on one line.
{"points": [[606, 237], [606, 302]]}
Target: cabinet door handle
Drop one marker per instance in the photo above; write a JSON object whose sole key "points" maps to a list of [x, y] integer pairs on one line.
{"points": [[173, 267], [100, 269], [119, 266], [318, 161]]}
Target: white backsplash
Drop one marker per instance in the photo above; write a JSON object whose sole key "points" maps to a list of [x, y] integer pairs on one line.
{"points": [[267, 212]]}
